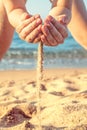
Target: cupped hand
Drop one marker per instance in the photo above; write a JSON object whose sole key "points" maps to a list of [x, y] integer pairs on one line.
{"points": [[54, 33], [51, 33], [30, 28]]}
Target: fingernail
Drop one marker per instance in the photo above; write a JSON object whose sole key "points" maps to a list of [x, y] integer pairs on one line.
{"points": [[38, 21], [37, 16]]}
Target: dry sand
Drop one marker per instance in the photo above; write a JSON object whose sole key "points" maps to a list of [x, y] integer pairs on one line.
{"points": [[63, 100]]}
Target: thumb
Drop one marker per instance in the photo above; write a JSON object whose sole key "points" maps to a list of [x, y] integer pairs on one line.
{"points": [[63, 19], [25, 16]]}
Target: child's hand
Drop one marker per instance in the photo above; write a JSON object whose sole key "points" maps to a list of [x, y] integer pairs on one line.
{"points": [[62, 14], [54, 33], [55, 26], [30, 28], [64, 19]]}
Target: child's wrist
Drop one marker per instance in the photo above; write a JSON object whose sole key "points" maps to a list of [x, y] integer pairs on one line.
{"points": [[56, 12], [64, 10]]}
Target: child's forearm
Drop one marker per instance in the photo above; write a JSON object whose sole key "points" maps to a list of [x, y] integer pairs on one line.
{"points": [[78, 23], [15, 10], [61, 7], [65, 3]]}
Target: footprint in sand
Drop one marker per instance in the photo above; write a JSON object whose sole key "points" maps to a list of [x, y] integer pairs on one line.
{"points": [[14, 117], [17, 115]]}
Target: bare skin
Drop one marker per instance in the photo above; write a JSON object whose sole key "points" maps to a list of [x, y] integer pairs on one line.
{"points": [[78, 23], [53, 33], [29, 27], [54, 28], [6, 31], [78, 12]]}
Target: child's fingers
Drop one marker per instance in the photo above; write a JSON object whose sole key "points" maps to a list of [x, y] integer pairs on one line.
{"points": [[32, 26], [23, 24], [51, 37], [63, 19], [32, 36], [26, 22], [55, 33], [37, 38], [45, 41], [60, 28]]}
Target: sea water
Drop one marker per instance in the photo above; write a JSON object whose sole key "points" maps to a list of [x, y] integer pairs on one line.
{"points": [[22, 55]]}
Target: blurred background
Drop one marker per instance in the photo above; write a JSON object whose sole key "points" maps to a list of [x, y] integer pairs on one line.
{"points": [[22, 55]]}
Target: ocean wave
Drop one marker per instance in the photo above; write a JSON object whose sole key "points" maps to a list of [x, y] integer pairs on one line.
{"points": [[27, 53], [21, 60]]}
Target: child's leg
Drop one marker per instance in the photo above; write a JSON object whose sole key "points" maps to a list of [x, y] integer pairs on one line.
{"points": [[6, 31]]}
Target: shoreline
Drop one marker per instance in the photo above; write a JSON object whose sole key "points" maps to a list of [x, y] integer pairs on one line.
{"points": [[20, 74]]}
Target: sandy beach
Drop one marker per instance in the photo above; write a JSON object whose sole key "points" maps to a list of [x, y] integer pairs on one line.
{"points": [[63, 100]]}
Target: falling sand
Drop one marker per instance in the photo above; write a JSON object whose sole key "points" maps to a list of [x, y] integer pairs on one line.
{"points": [[39, 81]]}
